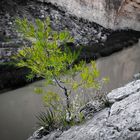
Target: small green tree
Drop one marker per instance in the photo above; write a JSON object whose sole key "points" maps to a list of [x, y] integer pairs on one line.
{"points": [[48, 60]]}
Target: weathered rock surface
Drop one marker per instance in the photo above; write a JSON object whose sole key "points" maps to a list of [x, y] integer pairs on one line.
{"points": [[123, 92], [114, 14], [121, 121]]}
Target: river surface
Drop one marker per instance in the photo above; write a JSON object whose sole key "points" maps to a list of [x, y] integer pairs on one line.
{"points": [[18, 108]]}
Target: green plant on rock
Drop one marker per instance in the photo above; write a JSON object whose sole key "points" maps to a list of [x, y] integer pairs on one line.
{"points": [[47, 120], [48, 60]]}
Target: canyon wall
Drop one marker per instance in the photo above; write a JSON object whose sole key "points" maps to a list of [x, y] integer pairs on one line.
{"points": [[114, 14]]}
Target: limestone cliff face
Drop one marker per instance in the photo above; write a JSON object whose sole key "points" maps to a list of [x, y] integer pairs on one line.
{"points": [[114, 14]]}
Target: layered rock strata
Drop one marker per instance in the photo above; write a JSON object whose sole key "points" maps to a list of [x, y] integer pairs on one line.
{"points": [[114, 14]]}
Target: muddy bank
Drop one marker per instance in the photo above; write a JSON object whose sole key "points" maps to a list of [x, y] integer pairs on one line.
{"points": [[95, 40]]}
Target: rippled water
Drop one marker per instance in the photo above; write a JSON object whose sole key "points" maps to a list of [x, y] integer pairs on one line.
{"points": [[18, 108]]}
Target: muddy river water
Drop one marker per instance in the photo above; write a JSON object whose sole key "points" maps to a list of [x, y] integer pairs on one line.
{"points": [[18, 108]]}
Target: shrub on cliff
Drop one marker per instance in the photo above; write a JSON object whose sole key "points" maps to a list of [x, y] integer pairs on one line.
{"points": [[48, 60]]}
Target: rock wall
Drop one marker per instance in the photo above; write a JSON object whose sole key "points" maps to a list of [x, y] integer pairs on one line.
{"points": [[96, 40], [114, 14], [62, 14]]}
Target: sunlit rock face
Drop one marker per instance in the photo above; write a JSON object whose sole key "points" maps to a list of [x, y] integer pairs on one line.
{"points": [[120, 121], [114, 14]]}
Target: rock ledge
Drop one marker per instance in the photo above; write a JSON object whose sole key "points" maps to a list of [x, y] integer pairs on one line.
{"points": [[119, 122]]}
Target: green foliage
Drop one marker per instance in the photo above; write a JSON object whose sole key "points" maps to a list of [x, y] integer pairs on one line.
{"points": [[47, 120], [38, 90], [48, 60], [88, 76], [45, 58], [53, 100]]}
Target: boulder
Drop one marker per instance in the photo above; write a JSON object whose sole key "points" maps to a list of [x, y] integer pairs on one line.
{"points": [[123, 92], [120, 121]]}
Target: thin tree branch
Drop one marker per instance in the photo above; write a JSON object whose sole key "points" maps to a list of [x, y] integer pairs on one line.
{"points": [[66, 95]]}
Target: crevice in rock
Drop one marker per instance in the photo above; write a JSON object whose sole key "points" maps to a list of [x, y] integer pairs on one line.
{"points": [[134, 128]]}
